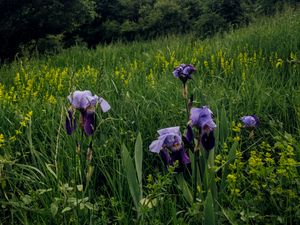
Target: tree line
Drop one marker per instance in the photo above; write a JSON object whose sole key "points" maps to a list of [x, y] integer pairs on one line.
{"points": [[46, 26]]}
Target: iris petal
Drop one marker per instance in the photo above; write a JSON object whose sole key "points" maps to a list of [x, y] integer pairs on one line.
{"points": [[170, 130], [156, 146], [208, 140], [80, 99], [184, 72], [250, 121], [104, 104], [181, 156], [85, 99], [166, 157], [188, 139], [184, 157], [189, 134], [188, 70], [202, 117], [89, 122]]}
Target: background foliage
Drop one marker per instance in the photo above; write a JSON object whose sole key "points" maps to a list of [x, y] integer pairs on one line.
{"points": [[28, 27]]}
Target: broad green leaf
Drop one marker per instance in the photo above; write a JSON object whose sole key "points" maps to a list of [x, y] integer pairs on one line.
{"points": [[209, 210], [186, 191], [148, 202], [66, 209], [90, 206], [138, 156], [26, 199], [54, 208], [211, 173], [131, 176], [223, 127], [211, 159], [80, 187]]}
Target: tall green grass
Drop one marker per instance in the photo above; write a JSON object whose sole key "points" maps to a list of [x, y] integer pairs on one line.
{"points": [[41, 172]]}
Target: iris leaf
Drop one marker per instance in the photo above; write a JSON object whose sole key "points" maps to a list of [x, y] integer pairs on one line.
{"points": [[138, 156], [131, 176], [209, 213]]}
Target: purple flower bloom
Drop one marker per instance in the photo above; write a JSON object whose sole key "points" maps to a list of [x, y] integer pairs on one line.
{"points": [[169, 146], [89, 121], [250, 121], [202, 119], [84, 99], [189, 134], [208, 140], [164, 154], [84, 102], [184, 72]]}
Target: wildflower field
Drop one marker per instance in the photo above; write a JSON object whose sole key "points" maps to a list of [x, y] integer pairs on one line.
{"points": [[103, 157]]}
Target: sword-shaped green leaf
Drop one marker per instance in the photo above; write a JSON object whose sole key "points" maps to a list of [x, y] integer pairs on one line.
{"points": [[131, 176], [138, 156]]}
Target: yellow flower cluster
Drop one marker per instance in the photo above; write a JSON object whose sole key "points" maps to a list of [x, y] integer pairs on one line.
{"points": [[87, 73], [22, 124], [225, 63], [2, 140], [121, 74], [150, 79], [167, 62], [44, 84], [236, 128]]}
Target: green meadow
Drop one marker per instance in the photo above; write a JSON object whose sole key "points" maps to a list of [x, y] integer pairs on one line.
{"points": [[250, 177]]}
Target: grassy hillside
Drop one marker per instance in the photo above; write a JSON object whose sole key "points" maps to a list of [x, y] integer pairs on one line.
{"points": [[46, 178]]}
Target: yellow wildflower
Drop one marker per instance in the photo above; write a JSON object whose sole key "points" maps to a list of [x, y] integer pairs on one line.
{"points": [[205, 64], [23, 123], [2, 139], [1, 91], [18, 132], [237, 139], [231, 178], [51, 99], [279, 63], [235, 191], [150, 79], [12, 138]]}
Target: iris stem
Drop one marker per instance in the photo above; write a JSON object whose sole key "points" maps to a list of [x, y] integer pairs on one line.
{"points": [[187, 109], [184, 91], [186, 100], [195, 173], [76, 191], [88, 162]]}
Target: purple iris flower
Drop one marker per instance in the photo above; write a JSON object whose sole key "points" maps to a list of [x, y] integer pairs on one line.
{"points": [[184, 72], [250, 121], [202, 118], [188, 139], [189, 134], [86, 103], [169, 146]]}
